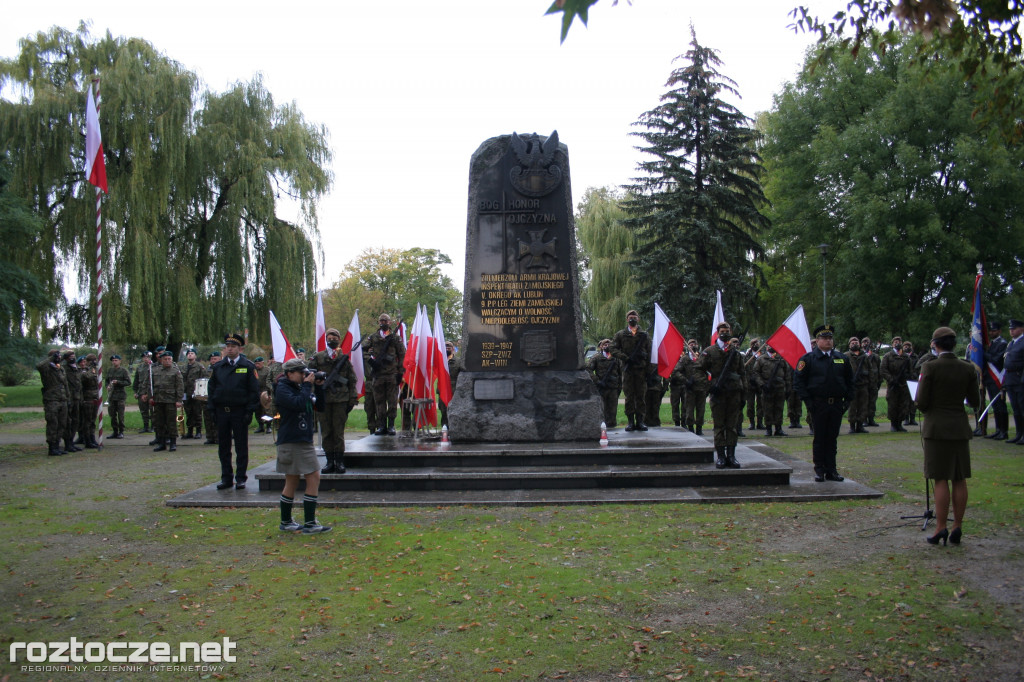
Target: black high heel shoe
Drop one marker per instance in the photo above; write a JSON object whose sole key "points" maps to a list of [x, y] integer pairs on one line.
{"points": [[954, 537], [941, 535]]}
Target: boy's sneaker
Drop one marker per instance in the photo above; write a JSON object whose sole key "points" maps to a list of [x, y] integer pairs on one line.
{"points": [[314, 527], [290, 526]]}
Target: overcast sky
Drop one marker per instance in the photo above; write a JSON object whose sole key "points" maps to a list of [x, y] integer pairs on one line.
{"points": [[410, 88]]}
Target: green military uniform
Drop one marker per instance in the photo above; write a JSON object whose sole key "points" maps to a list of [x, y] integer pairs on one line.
{"points": [[55, 401], [752, 396], [369, 403], [772, 379], [209, 419], [191, 371], [141, 390], [606, 372], [874, 370], [725, 365], [74, 379], [117, 381], [267, 380], [695, 395], [896, 369], [657, 386], [340, 396], [384, 355], [87, 408], [168, 388], [860, 408], [632, 347]]}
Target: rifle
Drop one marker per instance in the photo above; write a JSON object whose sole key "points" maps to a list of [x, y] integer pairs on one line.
{"points": [[603, 383], [374, 362], [771, 380], [632, 356]]}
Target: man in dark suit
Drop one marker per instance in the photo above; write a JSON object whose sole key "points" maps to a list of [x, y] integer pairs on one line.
{"points": [[233, 394], [1013, 384], [994, 356], [824, 380]]}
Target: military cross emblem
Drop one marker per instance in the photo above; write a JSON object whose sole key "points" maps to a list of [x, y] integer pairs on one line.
{"points": [[537, 250]]}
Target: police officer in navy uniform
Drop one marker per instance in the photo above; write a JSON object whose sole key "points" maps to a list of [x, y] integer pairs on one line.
{"points": [[824, 381], [233, 394], [1013, 380]]}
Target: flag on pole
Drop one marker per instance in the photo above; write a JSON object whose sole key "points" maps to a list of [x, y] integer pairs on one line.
{"points": [[719, 317], [282, 349], [979, 330], [95, 168], [792, 340], [351, 337], [321, 327], [667, 344], [409, 363], [441, 369]]}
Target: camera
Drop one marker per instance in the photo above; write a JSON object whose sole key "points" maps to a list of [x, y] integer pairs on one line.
{"points": [[319, 376]]}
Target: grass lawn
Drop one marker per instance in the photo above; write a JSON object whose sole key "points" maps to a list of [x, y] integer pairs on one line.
{"points": [[808, 591]]}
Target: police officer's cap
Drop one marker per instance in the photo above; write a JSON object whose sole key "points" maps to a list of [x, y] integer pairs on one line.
{"points": [[824, 330], [234, 338], [995, 325], [294, 365], [942, 332]]}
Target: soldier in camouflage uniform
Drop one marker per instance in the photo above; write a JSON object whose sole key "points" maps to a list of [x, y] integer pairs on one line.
{"points": [[632, 347], [657, 386], [384, 354], [755, 404], [74, 379], [55, 400], [772, 379], [168, 388], [696, 392], [340, 396], [141, 390], [605, 370], [261, 369], [267, 379], [860, 367], [896, 369], [874, 378], [192, 370], [117, 381], [724, 362], [90, 400], [209, 419], [910, 416]]}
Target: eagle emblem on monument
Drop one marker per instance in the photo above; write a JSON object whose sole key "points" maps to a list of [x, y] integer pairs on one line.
{"points": [[537, 174]]}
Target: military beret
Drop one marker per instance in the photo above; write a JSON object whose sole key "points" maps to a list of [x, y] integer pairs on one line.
{"points": [[825, 330], [161, 349], [81, 359], [90, 357], [67, 353], [234, 338], [943, 332], [294, 365], [258, 358], [632, 312], [115, 356], [146, 354], [852, 339], [190, 350], [334, 331], [214, 354], [167, 354], [300, 350], [1016, 324]]}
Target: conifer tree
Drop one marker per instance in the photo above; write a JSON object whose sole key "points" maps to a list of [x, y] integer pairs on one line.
{"points": [[696, 210]]}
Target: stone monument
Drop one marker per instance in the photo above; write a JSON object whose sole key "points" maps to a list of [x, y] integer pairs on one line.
{"points": [[522, 344]]}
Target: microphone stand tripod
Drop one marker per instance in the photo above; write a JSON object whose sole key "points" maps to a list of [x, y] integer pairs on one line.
{"points": [[928, 514]]}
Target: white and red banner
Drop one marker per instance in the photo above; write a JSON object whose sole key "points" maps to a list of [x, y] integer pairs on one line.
{"points": [[995, 374], [95, 168], [418, 370], [668, 343], [282, 349], [353, 336], [320, 333], [441, 369], [792, 340], [719, 317]]}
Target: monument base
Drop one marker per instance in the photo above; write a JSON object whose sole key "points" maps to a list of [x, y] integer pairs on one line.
{"points": [[516, 407]]}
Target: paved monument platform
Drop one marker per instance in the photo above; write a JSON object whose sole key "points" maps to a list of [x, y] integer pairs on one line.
{"points": [[666, 464]]}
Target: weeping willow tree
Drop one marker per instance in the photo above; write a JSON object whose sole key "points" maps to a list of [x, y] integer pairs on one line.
{"points": [[193, 245], [609, 290]]}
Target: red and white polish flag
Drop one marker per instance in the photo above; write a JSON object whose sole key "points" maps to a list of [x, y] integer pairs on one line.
{"points": [[282, 349], [668, 343], [441, 369], [356, 358], [792, 340], [95, 168], [719, 317], [321, 326]]}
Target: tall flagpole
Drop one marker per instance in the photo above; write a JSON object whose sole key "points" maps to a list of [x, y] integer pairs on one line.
{"points": [[99, 295]]}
